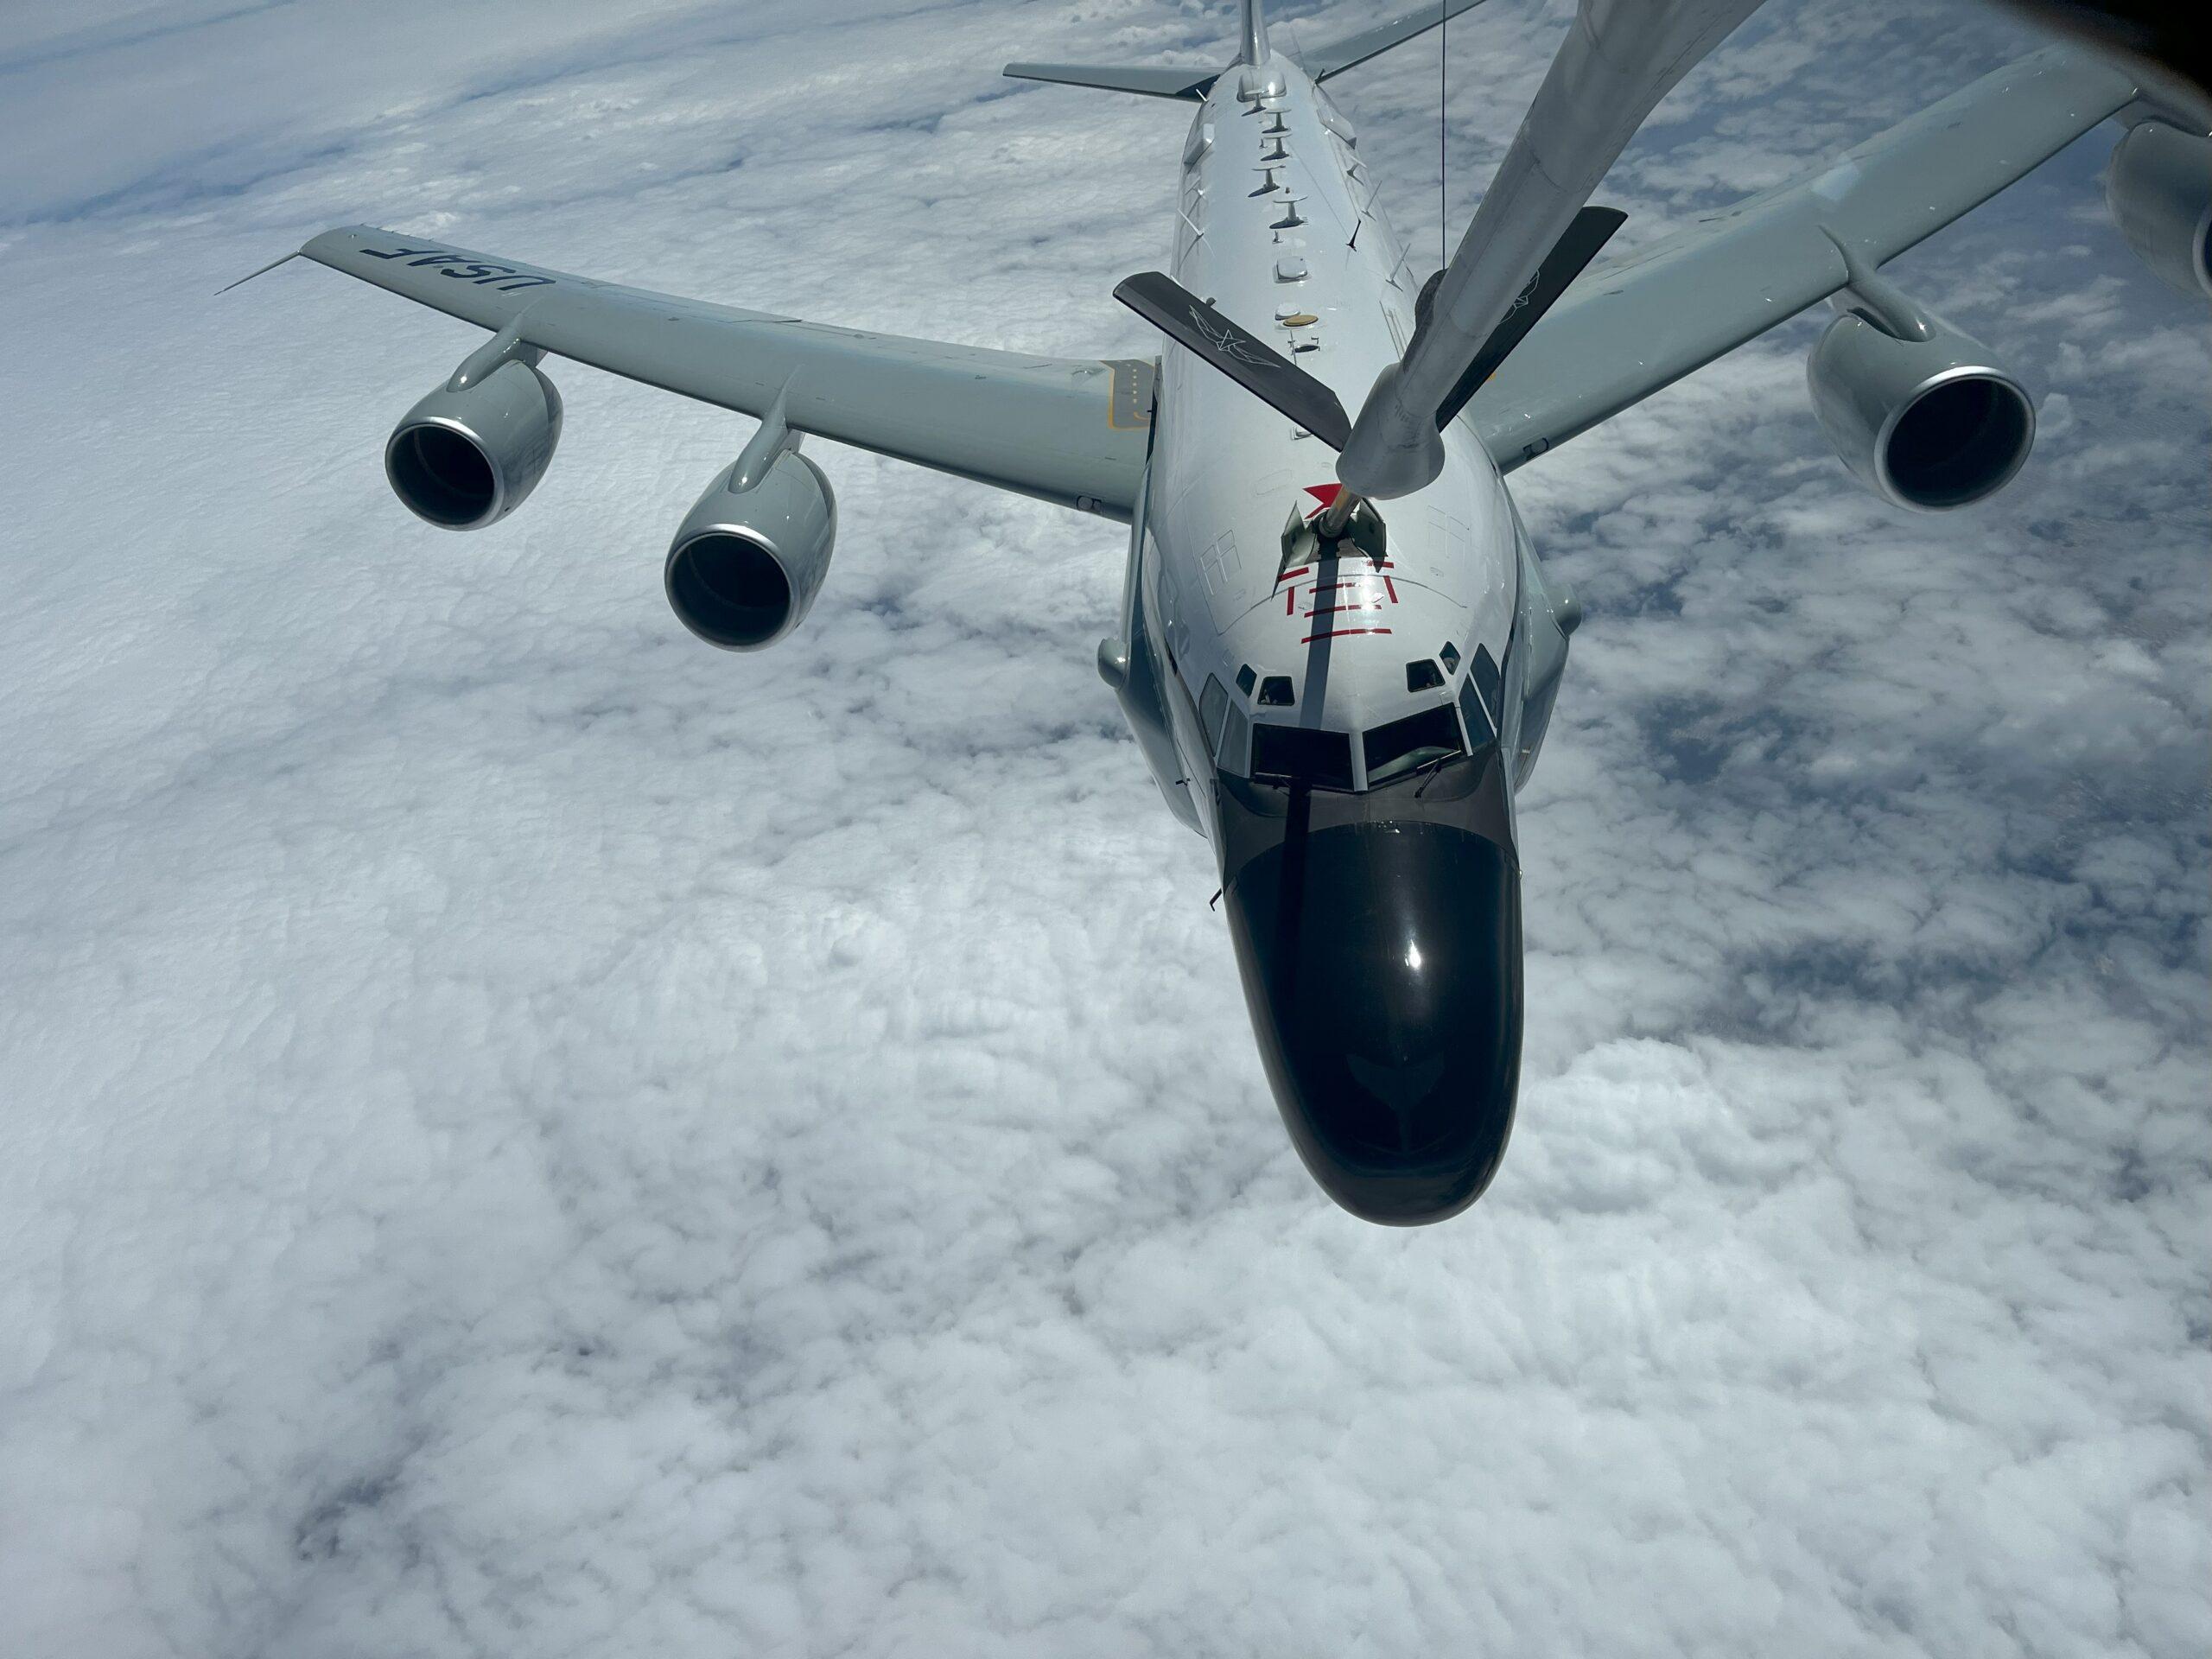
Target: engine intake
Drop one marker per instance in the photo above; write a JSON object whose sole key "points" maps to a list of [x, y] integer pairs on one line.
{"points": [[746, 565], [463, 460], [2160, 194], [1926, 422]]}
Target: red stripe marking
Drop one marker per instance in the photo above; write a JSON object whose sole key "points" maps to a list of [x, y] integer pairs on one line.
{"points": [[1341, 633], [1288, 574], [1391, 588]]}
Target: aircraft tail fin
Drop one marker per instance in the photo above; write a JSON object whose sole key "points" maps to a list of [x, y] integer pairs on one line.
{"points": [[1254, 48]]}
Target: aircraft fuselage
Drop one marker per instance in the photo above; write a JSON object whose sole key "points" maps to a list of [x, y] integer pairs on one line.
{"points": [[1345, 722]]}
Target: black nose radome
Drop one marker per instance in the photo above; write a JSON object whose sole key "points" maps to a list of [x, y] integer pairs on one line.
{"points": [[1382, 963]]}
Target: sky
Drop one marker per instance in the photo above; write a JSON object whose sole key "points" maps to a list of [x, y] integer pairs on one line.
{"points": [[520, 1133]]}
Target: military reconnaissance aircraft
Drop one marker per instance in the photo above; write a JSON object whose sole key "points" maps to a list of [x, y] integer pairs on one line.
{"points": [[1336, 650]]}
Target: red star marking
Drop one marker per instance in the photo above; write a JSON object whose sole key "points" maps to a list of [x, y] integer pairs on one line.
{"points": [[1326, 494]]}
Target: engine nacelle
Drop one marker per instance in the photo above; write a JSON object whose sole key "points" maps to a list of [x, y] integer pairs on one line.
{"points": [[1925, 423], [463, 460], [746, 565], [2159, 191]]}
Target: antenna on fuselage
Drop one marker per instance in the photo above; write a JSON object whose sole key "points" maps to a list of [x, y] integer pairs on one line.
{"points": [[1443, 134]]}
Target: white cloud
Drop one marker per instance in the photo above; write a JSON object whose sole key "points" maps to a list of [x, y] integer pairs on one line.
{"points": [[520, 1133]]}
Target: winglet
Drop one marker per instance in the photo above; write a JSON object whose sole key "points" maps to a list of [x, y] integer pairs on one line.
{"points": [[263, 271]]}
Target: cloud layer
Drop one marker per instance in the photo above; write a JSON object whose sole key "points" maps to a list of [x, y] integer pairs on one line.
{"points": [[523, 1133]]}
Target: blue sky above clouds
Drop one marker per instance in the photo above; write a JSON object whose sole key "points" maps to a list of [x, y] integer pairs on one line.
{"points": [[519, 1133]]}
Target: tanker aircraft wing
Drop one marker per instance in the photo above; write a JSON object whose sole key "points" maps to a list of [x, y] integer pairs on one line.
{"points": [[1645, 321], [1072, 432]]}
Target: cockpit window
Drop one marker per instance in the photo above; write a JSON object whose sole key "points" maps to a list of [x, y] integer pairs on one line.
{"points": [[1246, 679], [1397, 748], [1484, 674], [1451, 656], [1297, 754], [1236, 738], [1480, 732], [1423, 675], [1276, 692], [1213, 705]]}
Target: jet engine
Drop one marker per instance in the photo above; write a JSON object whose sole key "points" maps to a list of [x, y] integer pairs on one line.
{"points": [[1916, 410], [468, 458], [746, 565], [2160, 194]]}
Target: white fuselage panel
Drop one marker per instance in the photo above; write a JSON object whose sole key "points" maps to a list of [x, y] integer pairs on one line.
{"points": [[1278, 227]]}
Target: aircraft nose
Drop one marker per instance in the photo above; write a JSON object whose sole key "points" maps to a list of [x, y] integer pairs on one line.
{"points": [[1381, 964]]}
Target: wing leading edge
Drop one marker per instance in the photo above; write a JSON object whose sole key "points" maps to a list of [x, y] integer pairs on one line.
{"points": [[1074, 432], [1643, 322]]}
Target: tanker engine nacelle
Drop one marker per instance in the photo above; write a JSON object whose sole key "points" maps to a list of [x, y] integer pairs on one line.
{"points": [[470, 453], [747, 563], [2160, 194], [1914, 407]]}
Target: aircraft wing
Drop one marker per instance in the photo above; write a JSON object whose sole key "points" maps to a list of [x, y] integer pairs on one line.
{"points": [[1628, 328], [1324, 62], [1066, 430]]}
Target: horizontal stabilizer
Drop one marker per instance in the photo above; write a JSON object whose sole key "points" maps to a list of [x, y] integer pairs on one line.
{"points": [[1189, 83], [1243, 356], [1323, 62], [1590, 230]]}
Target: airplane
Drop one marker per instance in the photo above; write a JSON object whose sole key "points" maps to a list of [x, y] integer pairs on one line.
{"points": [[1336, 650]]}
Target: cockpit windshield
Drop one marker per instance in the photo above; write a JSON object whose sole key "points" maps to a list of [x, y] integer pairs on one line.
{"points": [[1399, 747], [1300, 755], [1460, 790], [1411, 746], [1320, 760]]}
